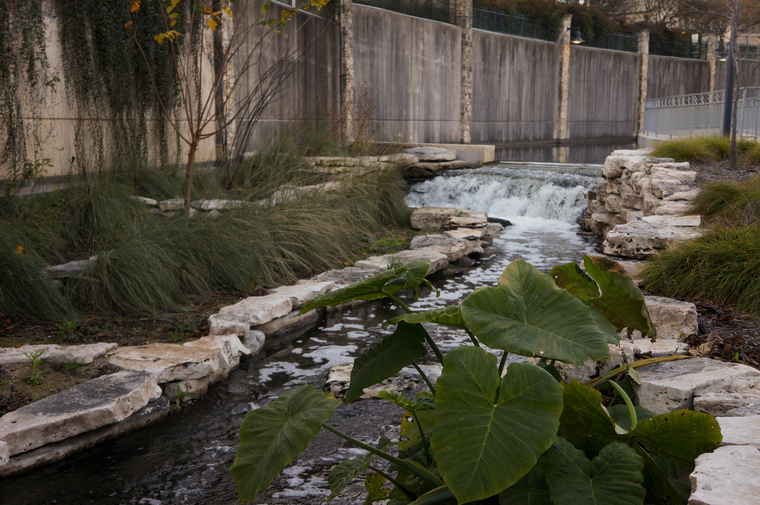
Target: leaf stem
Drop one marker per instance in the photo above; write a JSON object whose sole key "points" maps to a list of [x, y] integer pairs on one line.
{"points": [[628, 402], [398, 302], [599, 381], [472, 337], [502, 362], [428, 338], [418, 470], [393, 481], [424, 377]]}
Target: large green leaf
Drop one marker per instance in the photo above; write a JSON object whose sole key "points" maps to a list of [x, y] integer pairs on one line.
{"points": [[348, 470], [386, 358], [528, 314], [661, 481], [575, 280], [449, 316], [622, 417], [584, 421], [374, 288], [489, 432], [680, 436], [532, 489], [621, 300], [273, 436], [612, 478]]}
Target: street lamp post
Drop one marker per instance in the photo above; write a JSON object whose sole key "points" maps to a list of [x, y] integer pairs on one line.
{"points": [[729, 98]]}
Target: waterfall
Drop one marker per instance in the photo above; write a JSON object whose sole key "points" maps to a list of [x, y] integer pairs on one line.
{"points": [[507, 193]]}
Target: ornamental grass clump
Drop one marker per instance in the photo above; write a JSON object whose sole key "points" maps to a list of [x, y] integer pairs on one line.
{"points": [[706, 149], [730, 203]]}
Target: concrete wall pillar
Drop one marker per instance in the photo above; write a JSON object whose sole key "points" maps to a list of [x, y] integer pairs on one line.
{"points": [[564, 77], [347, 84], [712, 59], [643, 50], [464, 21]]}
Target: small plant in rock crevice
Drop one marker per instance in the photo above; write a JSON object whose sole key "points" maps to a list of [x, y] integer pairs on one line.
{"points": [[35, 377], [480, 435]]}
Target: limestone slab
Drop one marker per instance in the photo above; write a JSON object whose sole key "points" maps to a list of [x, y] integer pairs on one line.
{"points": [[472, 220], [672, 209], [726, 399], [432, 153], [641, 240], [668, 170], [726, 476], [292, 322], [685, 196], [301, 293], [454, 249], [4, 453], [56, 353], [432, 218], [633, 268], [466, 233], [346, 276], [670, 386], [656, 349], [617, 162], [168, 362], [195, 388], [677, 221], [260, 309], [217, 204], [70, 269], [672, 318], [740, 430], [171, 204], [254, 341], [150, 202], [229, 346], [493, 229], [437, 260], [105, 400], [406, 380], [224, 324]]}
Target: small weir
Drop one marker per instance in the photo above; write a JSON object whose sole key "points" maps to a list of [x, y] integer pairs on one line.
{"points": [[186, 457]]}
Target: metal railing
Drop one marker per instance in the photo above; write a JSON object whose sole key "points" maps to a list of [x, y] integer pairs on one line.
{"points": [[694, 50], [437, 10], [511, 24], [701, 114], [615, 41]]}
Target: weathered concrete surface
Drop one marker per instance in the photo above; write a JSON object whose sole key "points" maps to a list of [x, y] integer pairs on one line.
{"points": [[303, 292], [437, 260], [50, 453], [168, 362], [260, 309], [105, 400], [56, 353], [727, 476], [670, 386]]}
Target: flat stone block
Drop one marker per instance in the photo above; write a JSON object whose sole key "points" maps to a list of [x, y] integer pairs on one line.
{"points": [[105, 400], [150, 202], [406, 380], [168, 362], [727, 476], [677, 221], [209, 205], [433, 218], [672, 209], [196, 388], [224, 324], [84, 354], [727, 399], [292, 321], [301, 293], [346, 276], [656, 349], [466, 233], [70, 269], [670, 386], [617, 162], [4, 453], [740, 430], [672, 318], [260, 309], [437, 260], [640, 239], [171, 204], [685, 196], [229, 346], [473, 220], [454, 249], [432, 153]]}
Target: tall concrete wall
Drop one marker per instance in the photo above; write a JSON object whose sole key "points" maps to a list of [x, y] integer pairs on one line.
{"points": [[408, 71], [514, 92], [604, 89], [670, 76]]}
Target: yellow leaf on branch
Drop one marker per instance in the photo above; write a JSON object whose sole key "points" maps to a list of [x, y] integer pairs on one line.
{"points": [[227, 11], [134, 5], [212, 24]]}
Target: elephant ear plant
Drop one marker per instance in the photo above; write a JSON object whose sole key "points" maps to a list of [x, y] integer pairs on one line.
{"points": [[481, 435]]}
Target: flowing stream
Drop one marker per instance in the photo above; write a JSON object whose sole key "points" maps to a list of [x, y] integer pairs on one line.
{"points": [[186, 457]]}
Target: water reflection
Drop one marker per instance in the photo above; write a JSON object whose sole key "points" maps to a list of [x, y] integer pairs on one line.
{"points": [[571, 153]]}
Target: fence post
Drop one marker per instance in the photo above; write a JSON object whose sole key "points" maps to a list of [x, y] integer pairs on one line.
{"points": [[347, 87], [564, 76], [712, 46], [643, 50], [464, 21]]}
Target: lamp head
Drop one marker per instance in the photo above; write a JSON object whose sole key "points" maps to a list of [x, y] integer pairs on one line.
{"points": [[575, 37]]}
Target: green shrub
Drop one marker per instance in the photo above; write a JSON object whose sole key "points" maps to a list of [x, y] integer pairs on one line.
{"points": [[752, 156], [722, 266], [708, 149]]}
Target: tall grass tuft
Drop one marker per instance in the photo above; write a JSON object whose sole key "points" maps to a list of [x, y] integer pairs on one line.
{"points": [[722, 266], [708, 149], [736, 203]]}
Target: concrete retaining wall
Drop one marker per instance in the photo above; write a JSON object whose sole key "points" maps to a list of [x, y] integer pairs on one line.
{"points": [[677, 76]]}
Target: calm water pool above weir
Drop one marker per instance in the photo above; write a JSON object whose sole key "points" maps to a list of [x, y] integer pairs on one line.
{"points": [[186, 457]]}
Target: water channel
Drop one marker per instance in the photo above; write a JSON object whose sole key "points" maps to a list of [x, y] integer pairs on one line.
{"points": [[185, 458]]}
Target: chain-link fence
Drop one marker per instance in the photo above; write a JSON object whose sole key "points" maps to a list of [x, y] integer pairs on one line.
{"points": [[701, 114], [437, 10]]}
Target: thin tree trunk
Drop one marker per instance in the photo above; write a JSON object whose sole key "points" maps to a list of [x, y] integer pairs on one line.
{"points": [[189, 172]]}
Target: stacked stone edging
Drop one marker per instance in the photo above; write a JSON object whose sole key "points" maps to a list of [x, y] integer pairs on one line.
{"points": [[155, 374]]}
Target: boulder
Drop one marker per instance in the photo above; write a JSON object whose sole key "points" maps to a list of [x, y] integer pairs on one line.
{"points": [[171, 204], [633, 268], [105, 400], [723, 399], [260, 309], [209, 205], [672, 319], [437, 260], [472, 220], [671, 385], [454, 249], [224, 324], [4, 453], [254, 341], [619, 161], [640, 239], [740, 430], [493, 229], [466, 233], [432, 153], [84, 354], [229, 346], [677, 221], [168, 362], [663, 186], [672, 209], [195, 388], [70, 269], [687, 176], [150, 202], [301, 293], [726, 476], [291, 322], [435, 218], [631, 201], [650, 204]]}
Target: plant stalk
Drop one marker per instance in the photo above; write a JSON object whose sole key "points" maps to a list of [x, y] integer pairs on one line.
{"points": [[424, 378], [628, 403], [428, 338]]}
